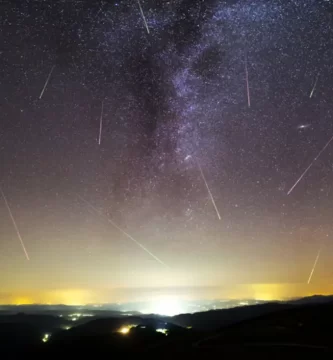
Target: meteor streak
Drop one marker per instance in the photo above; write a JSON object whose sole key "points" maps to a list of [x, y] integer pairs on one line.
{"points": [[46, 82], [122, 231], [100, 125], [314, 86], [15, 226], [314, 265], [309, 167], [209, 192], [143, 16], [247, 83]]}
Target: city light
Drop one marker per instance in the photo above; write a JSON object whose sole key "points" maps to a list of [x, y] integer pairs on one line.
{"points": [[124, 330], [46, 338], [76, 316], [243, 303], [165, 305], [162, 331]]}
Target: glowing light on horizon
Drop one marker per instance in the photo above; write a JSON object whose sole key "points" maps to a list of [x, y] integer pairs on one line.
{"points": [[125, 329], [162, 304], [168, 306]]}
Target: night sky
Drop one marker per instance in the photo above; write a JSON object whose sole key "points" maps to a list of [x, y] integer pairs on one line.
{"points": [[182, 143]]}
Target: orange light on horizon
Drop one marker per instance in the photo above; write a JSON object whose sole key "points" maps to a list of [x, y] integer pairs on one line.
{"points": [[124, 330], [166, 304], [23, 301]]}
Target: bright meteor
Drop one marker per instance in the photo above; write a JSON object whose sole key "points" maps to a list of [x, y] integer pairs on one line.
{"points": [[309, 167], [247, 83], [209, 192], [15, 226], [314, 86], [122, 231], [314, 265], [100, 124], [46, 82], [143, 16]]}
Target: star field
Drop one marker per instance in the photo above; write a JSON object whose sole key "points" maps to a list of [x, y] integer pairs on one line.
{"points": [[174, 100]]}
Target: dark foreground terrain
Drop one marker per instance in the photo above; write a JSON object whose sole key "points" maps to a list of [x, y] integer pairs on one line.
{"points": [[271, 330]]}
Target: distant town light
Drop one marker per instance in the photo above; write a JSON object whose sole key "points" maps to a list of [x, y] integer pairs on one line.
{"points": [[242, 303], [75, 315], [165, 305], [124, 330], [163, 331], [46, 338]]}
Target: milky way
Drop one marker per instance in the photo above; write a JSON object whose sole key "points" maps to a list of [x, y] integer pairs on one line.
{"points": [[125, 107]]}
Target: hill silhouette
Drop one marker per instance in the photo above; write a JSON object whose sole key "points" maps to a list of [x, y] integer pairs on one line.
{"points": [[286, 329], [214, 319]]}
